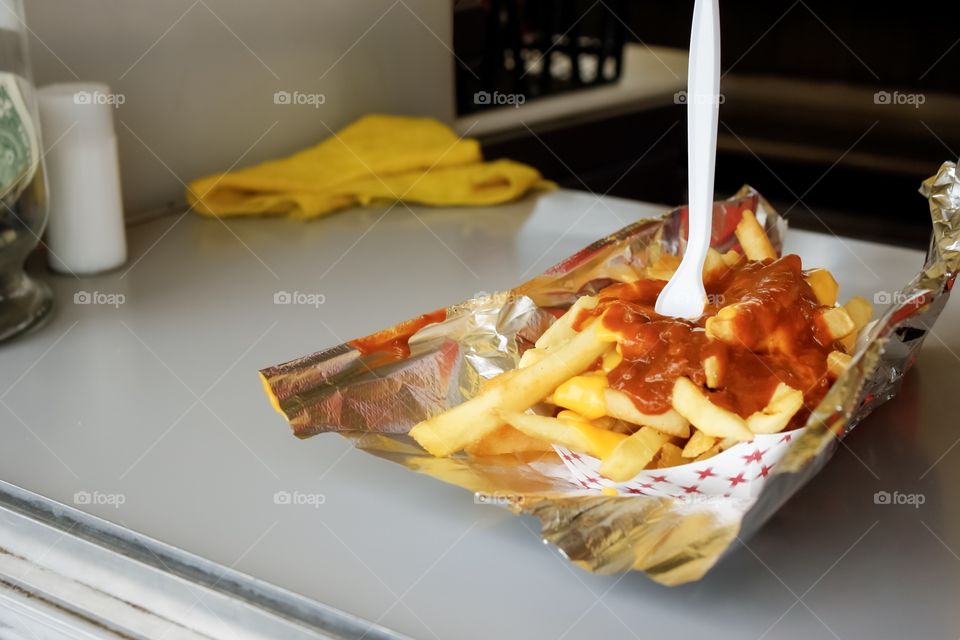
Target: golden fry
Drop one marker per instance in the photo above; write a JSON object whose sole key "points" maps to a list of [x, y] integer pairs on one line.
{"points": [[824, 286], [468, 422], [837, 363], [861, 311], [722, 326], [713, 372], [835, 323], [632, 455], [690, 402], [697, 444], [578, 436], [783, 405], [583, 394], [670, 456], [714, 265], [531, 356], [605, 422], [731, 258], [619, 405], [622, 272], [562, 329], [506, 439], [756, 245], [709, 453], [611, 359], [663, 268], [726, 443]]}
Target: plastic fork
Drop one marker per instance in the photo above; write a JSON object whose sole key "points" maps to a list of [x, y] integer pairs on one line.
{"points": [[684, 295]]}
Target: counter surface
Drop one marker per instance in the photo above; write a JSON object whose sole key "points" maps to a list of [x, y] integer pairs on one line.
{"points": [[139, 402]]}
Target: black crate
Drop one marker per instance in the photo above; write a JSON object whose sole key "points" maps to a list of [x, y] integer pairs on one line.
{"points": [[511, 51]]}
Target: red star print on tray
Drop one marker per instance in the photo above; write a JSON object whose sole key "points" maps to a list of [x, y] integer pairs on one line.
{"points": [[737, 473], [737, 479]]}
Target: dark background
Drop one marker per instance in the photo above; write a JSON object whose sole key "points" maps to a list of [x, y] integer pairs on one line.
{"points": [[800, 122]]}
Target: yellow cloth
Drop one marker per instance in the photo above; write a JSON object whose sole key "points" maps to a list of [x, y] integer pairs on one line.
{"points": [[376, 158]]}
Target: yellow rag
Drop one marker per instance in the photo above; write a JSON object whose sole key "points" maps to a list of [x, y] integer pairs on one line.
{"points": [[376, 158]]}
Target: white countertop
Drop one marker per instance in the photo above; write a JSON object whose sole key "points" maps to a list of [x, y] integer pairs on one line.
{"points": [[156, 403]]}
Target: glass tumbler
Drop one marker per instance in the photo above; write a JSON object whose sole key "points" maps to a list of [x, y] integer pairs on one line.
{"points": [[24, 302]]}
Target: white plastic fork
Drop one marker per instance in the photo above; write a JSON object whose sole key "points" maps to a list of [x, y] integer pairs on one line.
{"points": [[684, 295]]}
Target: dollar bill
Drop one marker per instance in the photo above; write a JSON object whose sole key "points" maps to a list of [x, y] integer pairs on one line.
{"points": [[19, 143]]}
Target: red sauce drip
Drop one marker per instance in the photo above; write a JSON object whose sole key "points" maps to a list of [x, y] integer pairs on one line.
{"points": [[776, 327], [395, 341], [656, 351]]}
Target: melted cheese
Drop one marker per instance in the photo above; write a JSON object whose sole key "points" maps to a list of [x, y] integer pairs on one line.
{"points": [[583, 394], [598, 442]]}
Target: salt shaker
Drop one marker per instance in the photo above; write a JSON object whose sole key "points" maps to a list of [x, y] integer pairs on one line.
{"points": [[85, 230]]}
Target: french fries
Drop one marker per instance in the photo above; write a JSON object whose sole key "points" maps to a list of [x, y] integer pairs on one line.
{"points": [[731, 258], [714, 265], [469, 422], [583, 394], [584, 383], [531, 356], [709, 453], [824, 286], [860, 312], [835, 323], [619, 405], [784, 403], [562, 330], [663, 267], [698, 443], [573, 434], [756, 245], [632, 454], [837, 363], [692, 404], [670, 456], [505, 439], [713, 371], [722, 327]]}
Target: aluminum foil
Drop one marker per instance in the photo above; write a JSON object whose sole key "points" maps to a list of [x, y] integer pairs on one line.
{"points": [[672, 531]]}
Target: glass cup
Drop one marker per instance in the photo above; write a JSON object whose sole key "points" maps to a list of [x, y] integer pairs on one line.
{"points": [[24, 302]]}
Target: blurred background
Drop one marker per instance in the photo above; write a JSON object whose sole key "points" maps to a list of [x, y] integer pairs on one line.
{"points": [[834, 111]]}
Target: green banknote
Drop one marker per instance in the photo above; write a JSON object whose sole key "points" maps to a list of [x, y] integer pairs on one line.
{"points": [[19, 145]]}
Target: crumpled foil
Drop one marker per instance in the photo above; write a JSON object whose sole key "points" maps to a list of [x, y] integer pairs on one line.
{"points": [[375, 397]]}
